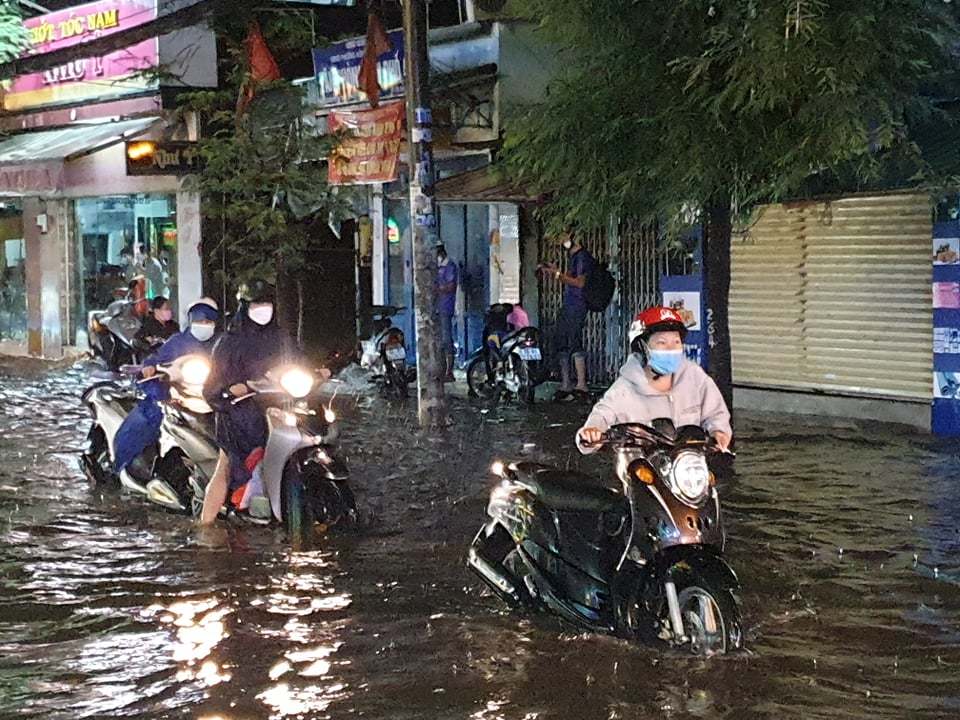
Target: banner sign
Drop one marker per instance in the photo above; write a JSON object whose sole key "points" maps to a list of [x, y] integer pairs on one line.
{"points": [[109, 76], [371, 151], [336, 68], [153, 157]]}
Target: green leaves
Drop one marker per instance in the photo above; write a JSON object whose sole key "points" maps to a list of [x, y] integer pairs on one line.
{"points": [[13, 36], [665, 103]]}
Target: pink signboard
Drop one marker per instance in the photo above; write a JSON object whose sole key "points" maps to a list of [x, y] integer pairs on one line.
{"points": [[112, 75]]}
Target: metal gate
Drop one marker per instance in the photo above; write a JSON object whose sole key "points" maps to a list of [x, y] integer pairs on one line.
{"points": [[630, 250], [836, 296]]}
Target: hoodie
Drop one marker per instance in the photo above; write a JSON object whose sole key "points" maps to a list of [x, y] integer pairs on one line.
{"points": [[693, 400]]}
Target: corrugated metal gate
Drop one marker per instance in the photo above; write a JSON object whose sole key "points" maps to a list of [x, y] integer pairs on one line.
{"points": [[630, 251], [836, 296]]}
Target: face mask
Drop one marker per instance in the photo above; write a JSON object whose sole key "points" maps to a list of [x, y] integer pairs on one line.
{"points": [[665, 362], [567, 244], [261, 315], [202, 331], [163, 315]]}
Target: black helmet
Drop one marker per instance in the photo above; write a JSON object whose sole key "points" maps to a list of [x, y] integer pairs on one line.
{"points": [[257, 291]]}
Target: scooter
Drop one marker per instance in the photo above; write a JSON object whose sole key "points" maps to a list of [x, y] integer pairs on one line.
{"points": [[156, 473], [303, 481], [385, 355], [111, 332], [509, 363], [644, 563]]}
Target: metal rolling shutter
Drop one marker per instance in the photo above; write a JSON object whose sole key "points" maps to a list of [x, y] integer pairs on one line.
{"points": [[836, 296]]}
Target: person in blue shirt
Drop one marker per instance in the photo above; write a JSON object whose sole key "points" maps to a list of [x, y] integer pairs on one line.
{"points": [[141, 427], [568, 334], [446, 288]]}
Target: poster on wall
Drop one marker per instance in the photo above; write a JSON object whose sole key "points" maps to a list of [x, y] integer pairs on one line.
{"points": [[946, 341], [687, 304], [946, 295], [946, 385], [946, 251], [370, 150], [114, 74]]}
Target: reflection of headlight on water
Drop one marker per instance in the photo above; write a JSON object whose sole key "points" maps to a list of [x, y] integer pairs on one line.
{"points": [[195, 371], [297, 382], [691, 478]]}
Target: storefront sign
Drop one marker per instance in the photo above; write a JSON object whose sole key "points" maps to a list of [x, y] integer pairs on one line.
{"points": [[336, 69], [109, 76], [371, 150], [149, 157]]}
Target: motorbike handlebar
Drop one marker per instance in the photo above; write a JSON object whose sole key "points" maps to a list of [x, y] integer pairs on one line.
{"points": [[637, 434]]}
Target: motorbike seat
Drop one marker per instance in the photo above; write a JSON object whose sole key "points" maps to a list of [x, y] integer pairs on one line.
{"points": [[567, 490]]}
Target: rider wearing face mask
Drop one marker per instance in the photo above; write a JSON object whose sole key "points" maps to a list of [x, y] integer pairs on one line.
{"points": [[142, 426], [657, 381], [253, 345]]}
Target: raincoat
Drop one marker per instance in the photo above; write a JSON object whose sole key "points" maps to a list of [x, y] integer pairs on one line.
{"points": [[694, 399], [141, 428]]}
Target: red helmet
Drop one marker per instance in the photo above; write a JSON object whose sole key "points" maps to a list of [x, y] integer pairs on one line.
{"points": [[653, 320]]}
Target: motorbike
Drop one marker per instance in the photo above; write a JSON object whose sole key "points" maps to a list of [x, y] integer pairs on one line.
{"points": [[509, 363], [385, 355], [303, 480], [111, 332], [156, 473], [644, 563]]}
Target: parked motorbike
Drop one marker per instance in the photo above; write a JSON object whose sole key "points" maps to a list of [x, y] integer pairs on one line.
{"points": [[304, 482], [157, 473], [385, 355], [111, 332], [643, 563], [510, 361]]}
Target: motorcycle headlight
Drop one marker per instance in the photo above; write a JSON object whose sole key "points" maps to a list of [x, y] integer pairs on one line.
{"points": [[296, 382], [195, 371], [691, 478]]}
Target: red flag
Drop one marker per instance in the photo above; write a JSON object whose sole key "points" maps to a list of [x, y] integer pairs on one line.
{"points": [[378, 42], [263, 68]]}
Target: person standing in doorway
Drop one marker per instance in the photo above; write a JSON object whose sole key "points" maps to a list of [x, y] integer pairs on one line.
{"points": [[447, 279], [568, 335]]}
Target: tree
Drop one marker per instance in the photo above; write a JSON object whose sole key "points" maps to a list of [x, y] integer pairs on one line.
{"points": [[719, 105], [13, 36], [263, 173]]}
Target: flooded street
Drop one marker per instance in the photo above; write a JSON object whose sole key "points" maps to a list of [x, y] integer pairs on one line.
{"points": [[846, 541]]}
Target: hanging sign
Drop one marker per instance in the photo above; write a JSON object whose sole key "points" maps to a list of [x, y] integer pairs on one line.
{"points": [[370, 151], [111, 75], [337, 67], [156, 157]]}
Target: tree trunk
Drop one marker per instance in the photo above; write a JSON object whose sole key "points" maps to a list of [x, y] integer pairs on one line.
{"points": [[716, 271]]}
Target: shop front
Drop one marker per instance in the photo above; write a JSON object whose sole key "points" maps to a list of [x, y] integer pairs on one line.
{"points": [[75, 227]]}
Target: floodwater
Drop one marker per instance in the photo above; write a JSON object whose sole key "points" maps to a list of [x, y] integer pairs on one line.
{"points": [[845, 539]]}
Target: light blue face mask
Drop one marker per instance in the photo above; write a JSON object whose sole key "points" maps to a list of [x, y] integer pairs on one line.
{"points": [[665, 362]]}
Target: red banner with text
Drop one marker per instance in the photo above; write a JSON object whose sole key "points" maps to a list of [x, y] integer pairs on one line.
{"points": [[370, 150]]}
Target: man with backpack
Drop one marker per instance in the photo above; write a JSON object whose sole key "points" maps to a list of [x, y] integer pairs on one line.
{"points": [[568, 335]]}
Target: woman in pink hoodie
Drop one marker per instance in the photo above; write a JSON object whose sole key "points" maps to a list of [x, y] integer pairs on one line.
{"points": [[657, 381]]}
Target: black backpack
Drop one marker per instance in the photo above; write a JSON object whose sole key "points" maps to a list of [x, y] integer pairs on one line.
{"points": [[598, 292]]}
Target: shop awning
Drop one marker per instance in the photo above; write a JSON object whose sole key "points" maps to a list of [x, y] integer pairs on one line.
{"points": [[69, 142], [32, 162], [483, 185]]}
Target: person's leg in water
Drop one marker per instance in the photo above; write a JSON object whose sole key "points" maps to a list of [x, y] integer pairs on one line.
{"points": [[216, 494], [563, 342]]}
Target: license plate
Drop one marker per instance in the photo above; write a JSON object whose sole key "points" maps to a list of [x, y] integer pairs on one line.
{"points": [[529, 353], [396, 353]]}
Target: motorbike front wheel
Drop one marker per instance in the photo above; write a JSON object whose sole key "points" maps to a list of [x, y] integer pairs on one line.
{"points": [[479, 380], [710, 613]]}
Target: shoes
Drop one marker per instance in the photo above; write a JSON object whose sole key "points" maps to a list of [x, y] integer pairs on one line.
{"points": [[563, 396], [582, 395]]}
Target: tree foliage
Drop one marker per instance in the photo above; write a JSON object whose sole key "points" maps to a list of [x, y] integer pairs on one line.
{"points": [[263, 169], [13, 36], [664, 105]]}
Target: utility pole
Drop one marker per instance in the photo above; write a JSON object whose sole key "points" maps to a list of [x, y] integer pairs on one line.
{"points": [[432, 405]]}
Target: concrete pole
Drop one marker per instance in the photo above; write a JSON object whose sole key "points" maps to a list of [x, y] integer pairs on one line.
{"points": [[432, 405]]}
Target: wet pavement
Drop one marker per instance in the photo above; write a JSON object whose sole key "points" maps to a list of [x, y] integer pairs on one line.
{"points": [[845, 539]]}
